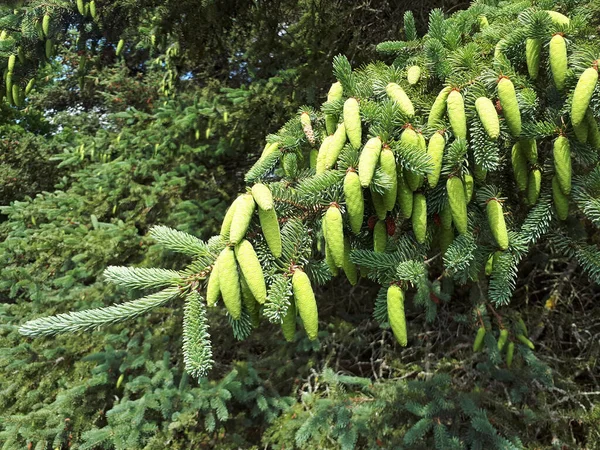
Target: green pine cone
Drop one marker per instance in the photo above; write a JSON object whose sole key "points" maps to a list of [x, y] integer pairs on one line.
{"points": [[413, 75], [439, 107], [583, 94], [355, 203], [379, 237], [46, 23], [404, 196], [488, 116], [415, 180], [314, 154], [593, 131], [562, 163], [378, 205], [456, 113], [335, 93], [262, 196], [533, 48], [249, 302], [469, 186], [446, 216], [270, 228], [333, 230], [81, 7], [397, 94], [435, 150], [483, 22], [352, 122], [489, 265], [525, 341], [120, 46], [387, 162], [419, 217], [251, 269], [213, 289], [93, 11], [322, 155], [558, 18], [396, 317], [288, 325], [529, 150], [534, 186], [306, 303], [458, 203], [269, 148], [229, 282], [307, 127], [558, 60], [330, 262], [12, 59], [335, 146], [349, 267], [581, 132], [244, 209], [446, 238], [520, 166], [369, 157], [509, 354], [478, 343], [502, 339], [510, 106], [561, 201], [495, 216]]}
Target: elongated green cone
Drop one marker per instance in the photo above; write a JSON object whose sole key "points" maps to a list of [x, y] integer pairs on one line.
{"points": [[534, 186], [404, 197], [419, 217], [439, 107], [271, 231], [367, 162], [349, 267], [355, 204], [335, 93], [229, 282], [558, 60], [334, 146], [562, 163], [456, 114], [583, 94], [435, 150], [387, 162], [352, 122], [244, 209], [251, 269], [306, 303], [396, 317], [561, 201], [397, 94], [379, 237], [510, 106], [520, 167], [488, 117], [497, 223], [262, 196], [334, 234], [288, 325], [533, 49], [458, 203], [478, 343], [413, 75]]}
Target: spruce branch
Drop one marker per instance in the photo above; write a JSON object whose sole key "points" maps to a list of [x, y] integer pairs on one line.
{"points": [[92, 318], [142, 278], [178, 241]]}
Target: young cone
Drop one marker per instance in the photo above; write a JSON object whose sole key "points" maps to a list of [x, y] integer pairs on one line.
{"points": [[439, 107], [397, 94], [488, 117], [262, 196], [229, 282], [396, 317], [495, 216], [510, 106], [352, 122], [558, 60], [458, 203], [242, 216], [562, 163], [533, 48], [419, 217], [270, 228], [456, 114], [379, 237], [583, 94], [369, 157], [435, 150], [355, 204], [251, 269], [387, 162], [306, 303], [334, 233], [404, 196]]}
